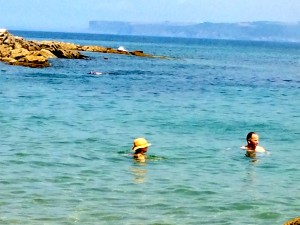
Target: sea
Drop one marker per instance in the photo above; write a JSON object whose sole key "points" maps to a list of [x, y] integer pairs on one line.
{"points": [[66, 134]]}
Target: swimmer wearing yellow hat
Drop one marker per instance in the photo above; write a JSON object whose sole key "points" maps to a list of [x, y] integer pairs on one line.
{"points": [[140, 147]]}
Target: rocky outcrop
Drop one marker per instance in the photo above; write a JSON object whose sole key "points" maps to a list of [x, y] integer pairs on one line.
{"points": [[295, 221], [16, 50]]}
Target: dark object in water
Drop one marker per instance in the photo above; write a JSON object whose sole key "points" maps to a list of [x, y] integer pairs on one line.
{"points": [[95, 73]]}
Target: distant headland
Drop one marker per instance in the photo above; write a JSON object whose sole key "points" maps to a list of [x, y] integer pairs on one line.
{"points": [[256, 31], [16, 50]]}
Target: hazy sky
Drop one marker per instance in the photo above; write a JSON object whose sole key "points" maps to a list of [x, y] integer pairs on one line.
{"points": [[75, 14]]}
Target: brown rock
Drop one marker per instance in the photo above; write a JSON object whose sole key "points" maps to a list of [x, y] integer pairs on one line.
{"points": [[295, 221], [93, 49], [44, 52], [139, 53], [4, 51], [35, 59], [62, 50], [29, 45], [18, 51]]}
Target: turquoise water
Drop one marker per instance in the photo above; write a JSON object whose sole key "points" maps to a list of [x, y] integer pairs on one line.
{"points": [[66, 135]]}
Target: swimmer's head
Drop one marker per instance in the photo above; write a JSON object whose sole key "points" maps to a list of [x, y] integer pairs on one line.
{"points": [[140, 143], [252, 139]]}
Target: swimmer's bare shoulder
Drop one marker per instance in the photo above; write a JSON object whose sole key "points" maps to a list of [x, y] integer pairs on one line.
{"points": [[260, 149], [257, 149], [139, 157]]}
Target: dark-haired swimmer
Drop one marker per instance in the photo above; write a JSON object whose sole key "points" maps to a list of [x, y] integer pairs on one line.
{"points": [[252, 146]]}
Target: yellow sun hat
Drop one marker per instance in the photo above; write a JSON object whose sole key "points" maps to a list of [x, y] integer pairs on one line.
{"points": [[140, 143]]}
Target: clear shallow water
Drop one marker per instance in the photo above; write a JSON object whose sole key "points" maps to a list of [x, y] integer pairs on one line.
{"points": [[66, 135]]}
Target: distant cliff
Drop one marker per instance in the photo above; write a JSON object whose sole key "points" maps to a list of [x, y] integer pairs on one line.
{"points": [[264, 31]]}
